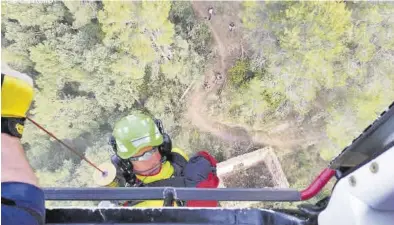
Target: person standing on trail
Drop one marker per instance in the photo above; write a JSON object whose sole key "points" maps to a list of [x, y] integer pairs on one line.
{"points": [[218, 76], [231, 26], [141, 142], [210, 12], [22, 201], [206, 85]]}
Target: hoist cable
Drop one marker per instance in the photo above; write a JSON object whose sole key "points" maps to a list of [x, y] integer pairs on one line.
{"points": [[65, 145]]}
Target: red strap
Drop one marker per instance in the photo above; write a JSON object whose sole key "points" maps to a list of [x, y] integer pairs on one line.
{"points": [[199, 203], [211, 182], [208, 157]]}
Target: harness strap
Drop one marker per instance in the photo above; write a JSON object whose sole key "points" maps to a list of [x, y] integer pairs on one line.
{"points": [[178, 162], [170, 182]]}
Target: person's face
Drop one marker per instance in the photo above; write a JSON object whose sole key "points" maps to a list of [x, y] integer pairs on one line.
{"points": [[150, 165]]}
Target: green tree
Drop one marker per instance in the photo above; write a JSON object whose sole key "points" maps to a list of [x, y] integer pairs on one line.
{"points": [[317, 56], [83, 12], [98, 154], [58, 178], [201, 38], [93, 63], [78, 115], [182, 15], [240, 73], [44, 15]]}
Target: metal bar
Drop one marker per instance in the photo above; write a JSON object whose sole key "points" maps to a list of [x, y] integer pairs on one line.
{"points": [[237, 194], [185, 194]]}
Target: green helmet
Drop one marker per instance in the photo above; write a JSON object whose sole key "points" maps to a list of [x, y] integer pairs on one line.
{"points": [[134, 132]]}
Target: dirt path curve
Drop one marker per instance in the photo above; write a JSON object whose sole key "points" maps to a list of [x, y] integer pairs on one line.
{"points": [[197, 99], [227, 46]]}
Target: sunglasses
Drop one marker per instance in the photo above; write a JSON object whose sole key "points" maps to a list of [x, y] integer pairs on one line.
{"points": [[145, 156]]}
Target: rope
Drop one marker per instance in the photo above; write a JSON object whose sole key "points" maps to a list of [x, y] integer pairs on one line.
{"points": [[65, 145]]}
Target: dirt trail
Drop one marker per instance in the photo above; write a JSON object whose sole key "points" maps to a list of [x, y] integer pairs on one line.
{"points": [[200, 94], [223, 42], [228, 47]]}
